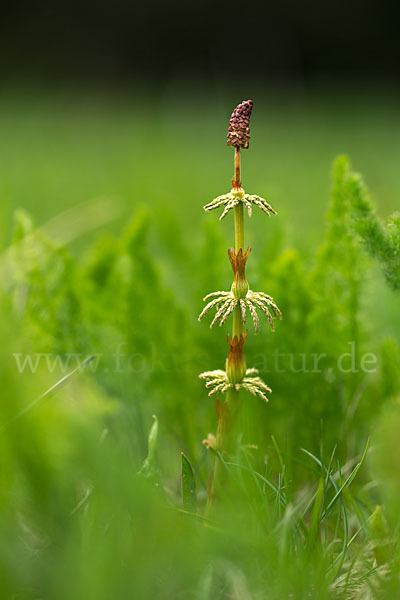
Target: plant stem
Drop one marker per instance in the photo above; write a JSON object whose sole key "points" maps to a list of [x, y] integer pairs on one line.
{"points": [[226, 432], [236, 177], [239, 227], [225, 444], [239, 238], [237, 322]]}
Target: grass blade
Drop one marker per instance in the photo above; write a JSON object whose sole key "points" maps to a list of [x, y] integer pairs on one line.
{"points": [[188, 486], [346, 483]]}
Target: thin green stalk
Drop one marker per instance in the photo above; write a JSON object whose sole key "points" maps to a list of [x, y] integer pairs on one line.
{"points": [[239, 238], [226, 432], [239, 243], [239, 227], [225, 442], [237, 322]]}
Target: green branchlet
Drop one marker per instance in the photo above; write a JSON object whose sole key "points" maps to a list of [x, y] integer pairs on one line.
{"points": [[238, 197], [381, 241], [218, 382]]}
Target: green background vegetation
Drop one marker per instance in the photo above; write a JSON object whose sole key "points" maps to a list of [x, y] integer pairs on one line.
{"points": [[112, 254]]}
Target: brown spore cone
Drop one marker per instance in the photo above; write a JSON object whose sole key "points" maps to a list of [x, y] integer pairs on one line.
{"points": [[239, 125]]}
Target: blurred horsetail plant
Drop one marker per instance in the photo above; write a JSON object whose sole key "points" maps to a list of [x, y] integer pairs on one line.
{"points": [[235, 302]]}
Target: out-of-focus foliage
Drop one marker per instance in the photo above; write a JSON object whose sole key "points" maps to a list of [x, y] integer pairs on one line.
{"points": [[84, 514], [324, 342], [117, 303], [381, 241]]}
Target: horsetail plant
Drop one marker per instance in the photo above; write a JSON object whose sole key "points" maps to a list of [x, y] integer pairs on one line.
{"points": [[236, 302]]}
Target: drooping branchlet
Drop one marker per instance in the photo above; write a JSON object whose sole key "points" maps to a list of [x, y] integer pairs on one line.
{"points": [[217, 382], [225, 303], [234, 198]]}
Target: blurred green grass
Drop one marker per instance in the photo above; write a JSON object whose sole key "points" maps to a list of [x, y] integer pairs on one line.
{"points": [[84, 163], [65, 158]]}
